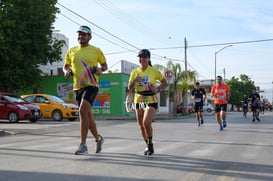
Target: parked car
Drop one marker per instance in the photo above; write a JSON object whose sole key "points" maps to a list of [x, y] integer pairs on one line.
{"points": [[208, 107], [268, 106], [14, 108], [53, 107], [181, 109]]}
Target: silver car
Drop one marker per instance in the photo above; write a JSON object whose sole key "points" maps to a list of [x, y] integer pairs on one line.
{"points": [[208, 107]]}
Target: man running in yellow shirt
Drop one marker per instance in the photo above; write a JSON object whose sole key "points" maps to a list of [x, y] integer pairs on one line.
{"points": [[84, 60]]}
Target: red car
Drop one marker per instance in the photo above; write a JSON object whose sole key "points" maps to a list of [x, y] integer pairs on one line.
{"points": [[15, 108], [181, 109]]}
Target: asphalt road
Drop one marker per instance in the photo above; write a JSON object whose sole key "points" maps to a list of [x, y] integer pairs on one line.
{"points": [[183, 151]]}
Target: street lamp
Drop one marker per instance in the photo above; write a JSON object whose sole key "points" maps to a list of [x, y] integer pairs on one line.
{"points": [[215, 59]]}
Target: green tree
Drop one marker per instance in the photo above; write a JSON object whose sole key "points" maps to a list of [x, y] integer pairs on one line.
{"points": [[181, 81], [239, 87], [26, 42], [187, 77]]}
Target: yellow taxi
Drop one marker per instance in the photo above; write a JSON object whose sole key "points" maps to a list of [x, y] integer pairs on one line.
{"points": [[53, 107]]}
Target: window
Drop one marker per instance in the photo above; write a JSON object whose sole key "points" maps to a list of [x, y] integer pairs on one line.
{"points": [[30, 99], [40, 99]]}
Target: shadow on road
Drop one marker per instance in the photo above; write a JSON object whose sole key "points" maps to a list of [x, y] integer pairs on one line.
{"points": [[34, 176], [160, 161]]}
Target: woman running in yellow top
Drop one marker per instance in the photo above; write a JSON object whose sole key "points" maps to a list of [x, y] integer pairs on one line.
{"points": [[143, 79]]}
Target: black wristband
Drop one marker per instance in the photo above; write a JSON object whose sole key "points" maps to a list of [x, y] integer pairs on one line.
{"points": [[94, 70], [103, 69]]}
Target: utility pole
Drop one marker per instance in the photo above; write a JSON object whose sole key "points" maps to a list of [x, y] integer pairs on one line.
{"points": [[186, 73], [185, 50], [224, 75]]}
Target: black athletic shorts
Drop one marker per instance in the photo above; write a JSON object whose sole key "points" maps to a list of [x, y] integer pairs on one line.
{"points": [[255, 108], [143, 105], [220, 107], [245, 108], [88, 93], [198, 108]]}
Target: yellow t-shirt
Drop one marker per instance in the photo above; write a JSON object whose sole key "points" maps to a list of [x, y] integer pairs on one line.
{"points": [[148, 79], [82, 60]]}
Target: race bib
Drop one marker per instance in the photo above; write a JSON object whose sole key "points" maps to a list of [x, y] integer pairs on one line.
{"points": [[145, 80], [198, 100], [220, 97]]}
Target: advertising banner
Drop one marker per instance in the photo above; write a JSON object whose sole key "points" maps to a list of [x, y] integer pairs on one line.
{"points": [[102, 102]]}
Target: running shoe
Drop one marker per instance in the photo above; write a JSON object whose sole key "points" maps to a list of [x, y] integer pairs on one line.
{"points": [[258, 119], [221, 128], [82, 150], [198, 124], [150, 149], [99, 144], [202, 121], [253, 120], [146, 150], [224, 124]]}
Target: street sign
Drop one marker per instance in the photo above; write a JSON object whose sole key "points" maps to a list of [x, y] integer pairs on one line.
{"points": [[168, 74]]}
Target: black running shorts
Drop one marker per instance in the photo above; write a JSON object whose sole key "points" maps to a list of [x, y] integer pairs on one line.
{"points": [[88, 93], [255, 108], [198, 108], [220, 107]]}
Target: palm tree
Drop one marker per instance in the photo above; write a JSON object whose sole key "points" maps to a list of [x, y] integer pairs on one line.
{"points": [[187, 78], [181, 79]]}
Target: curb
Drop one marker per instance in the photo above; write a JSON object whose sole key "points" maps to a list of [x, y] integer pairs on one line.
{"points": [[133, 117]]}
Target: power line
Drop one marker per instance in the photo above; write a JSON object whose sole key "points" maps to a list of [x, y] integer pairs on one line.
{"points": [[216, 44], [74, 13], [159, 56], [109, 6], [233, 43], [114, 43], [121, 15], [128, 50], [69, 10], [98, 26], [114, 64], [120, 52]]}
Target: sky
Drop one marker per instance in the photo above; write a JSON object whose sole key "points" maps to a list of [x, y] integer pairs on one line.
{"points": [[121, 27]]}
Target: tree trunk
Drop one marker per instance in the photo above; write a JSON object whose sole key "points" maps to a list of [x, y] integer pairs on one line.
{"points": [[175, 100]]}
